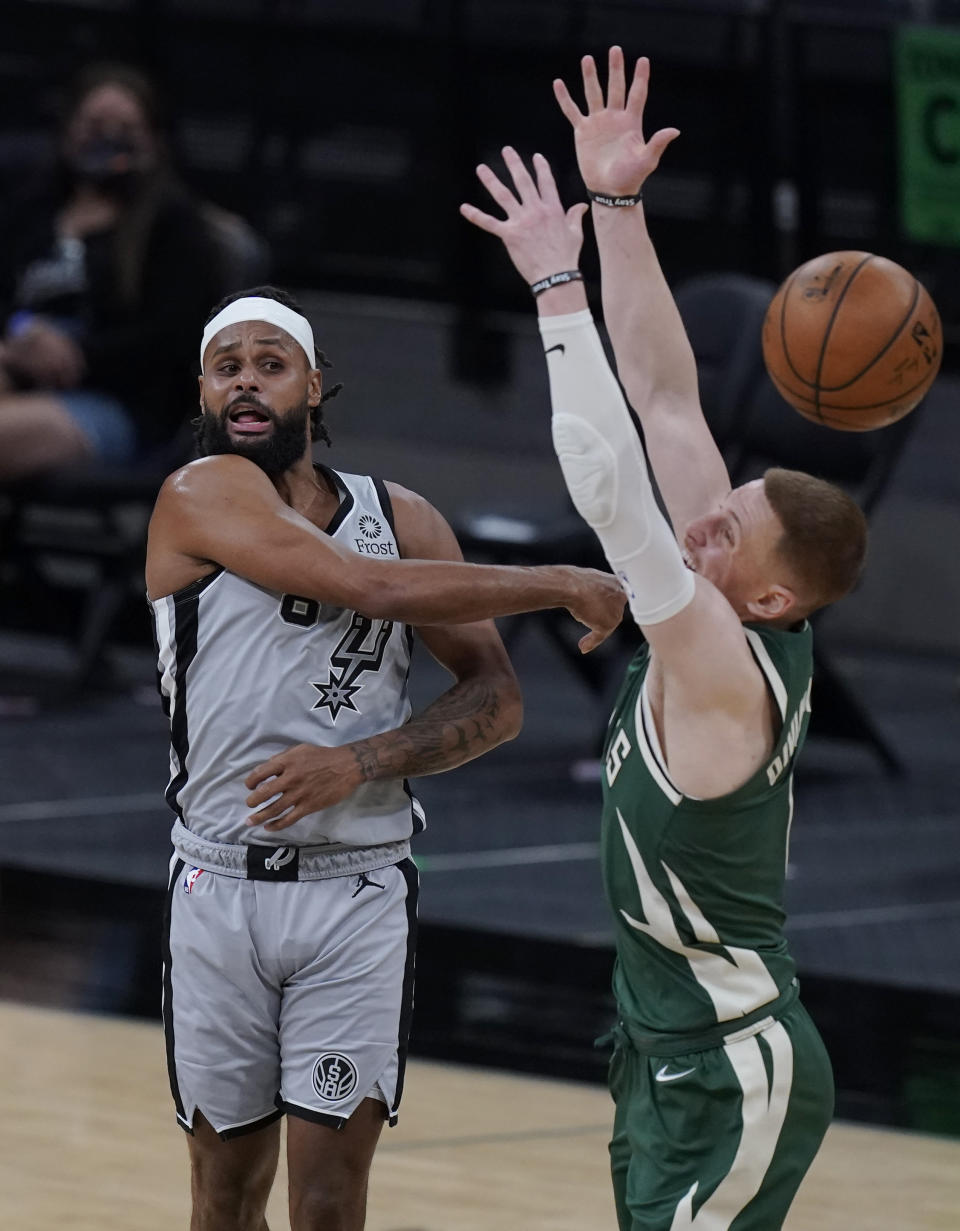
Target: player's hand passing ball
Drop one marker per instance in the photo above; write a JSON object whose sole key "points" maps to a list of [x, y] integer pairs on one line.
{"points": [[599, 605], [613, 156]]}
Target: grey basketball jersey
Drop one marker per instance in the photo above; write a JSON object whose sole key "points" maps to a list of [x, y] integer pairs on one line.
{"points": [[246, 673]]}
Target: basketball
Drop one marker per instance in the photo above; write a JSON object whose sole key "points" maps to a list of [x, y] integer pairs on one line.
{"points": [[852, 341]]}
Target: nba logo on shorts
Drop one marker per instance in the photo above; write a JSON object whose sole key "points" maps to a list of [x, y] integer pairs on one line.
{"points": [[191, 879], [334, 1077]]}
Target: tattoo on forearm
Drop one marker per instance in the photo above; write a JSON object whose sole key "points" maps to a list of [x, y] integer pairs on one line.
{"points": [[464, 722]]}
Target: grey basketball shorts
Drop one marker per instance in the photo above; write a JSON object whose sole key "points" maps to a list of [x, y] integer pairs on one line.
{"points": [[287, 996]]}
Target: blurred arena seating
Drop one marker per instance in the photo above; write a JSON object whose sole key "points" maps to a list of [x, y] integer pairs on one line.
{"points": [[82, 532], [348, 133]]}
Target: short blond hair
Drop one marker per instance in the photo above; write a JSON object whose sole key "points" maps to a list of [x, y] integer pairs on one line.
{"points": [[824, 539]]}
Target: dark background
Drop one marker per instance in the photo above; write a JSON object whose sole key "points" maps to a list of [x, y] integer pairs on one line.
{"points": [[347, 133]]}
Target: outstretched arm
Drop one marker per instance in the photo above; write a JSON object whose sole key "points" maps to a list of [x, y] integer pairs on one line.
{"points": [[689, 623], [224, 510], [653, 355], [593, 435]]}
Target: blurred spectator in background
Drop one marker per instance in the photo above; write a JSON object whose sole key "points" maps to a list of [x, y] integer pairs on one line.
{"points": [[106, 273]]}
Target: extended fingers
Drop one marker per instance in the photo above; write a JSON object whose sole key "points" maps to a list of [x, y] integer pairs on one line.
{"points": [[617, 99], [591, 85], [500, 193], [566, 103], [522, 179], [486, 222], [616, 79], [637, 98], [660, 140], [528, 191], [497, 189], [546, 184]]}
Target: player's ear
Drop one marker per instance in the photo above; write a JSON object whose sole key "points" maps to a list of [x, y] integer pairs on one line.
{"points": [[314, 387], [775, 603], [200, 383]]}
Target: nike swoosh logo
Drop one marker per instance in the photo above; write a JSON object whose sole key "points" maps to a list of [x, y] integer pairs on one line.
{"points": [[559, 346], [663, 1075]]}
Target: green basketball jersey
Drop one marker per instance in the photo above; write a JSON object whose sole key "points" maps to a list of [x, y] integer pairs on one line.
{"points": [[696, 886]]}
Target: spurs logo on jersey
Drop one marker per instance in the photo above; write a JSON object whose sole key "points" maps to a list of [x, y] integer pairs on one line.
{"points": [[359, 650]]}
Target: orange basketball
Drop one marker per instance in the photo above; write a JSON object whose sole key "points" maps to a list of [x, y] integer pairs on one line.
{"points": [[852, 340]]}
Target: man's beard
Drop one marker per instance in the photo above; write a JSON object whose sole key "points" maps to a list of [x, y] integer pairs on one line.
{"points": [[273, 453]]}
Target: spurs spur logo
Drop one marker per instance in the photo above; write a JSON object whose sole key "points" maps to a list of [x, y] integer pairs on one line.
{"points": [[279, 859], [360, 649]]}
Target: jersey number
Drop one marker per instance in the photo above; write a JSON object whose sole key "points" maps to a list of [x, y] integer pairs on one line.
{"points": [[619, 750], [304, 612]]}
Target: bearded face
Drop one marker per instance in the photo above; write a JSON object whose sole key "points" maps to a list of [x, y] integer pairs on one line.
{"points": [[273, 440]]}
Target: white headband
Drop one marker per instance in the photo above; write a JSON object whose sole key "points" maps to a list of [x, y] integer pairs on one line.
{"points": [[253, 308]]}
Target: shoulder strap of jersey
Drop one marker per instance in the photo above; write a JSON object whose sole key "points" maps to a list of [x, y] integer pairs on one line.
{"points": [[386, 504], [347, 497], [786, 658]]}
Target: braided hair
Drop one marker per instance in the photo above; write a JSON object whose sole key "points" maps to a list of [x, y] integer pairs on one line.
{"points": [[318, 429]]}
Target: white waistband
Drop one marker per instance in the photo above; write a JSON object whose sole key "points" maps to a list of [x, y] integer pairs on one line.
{"points": [[315, 862]]}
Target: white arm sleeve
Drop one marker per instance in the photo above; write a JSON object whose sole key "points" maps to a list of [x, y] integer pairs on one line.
{"points": [[606, 471]]}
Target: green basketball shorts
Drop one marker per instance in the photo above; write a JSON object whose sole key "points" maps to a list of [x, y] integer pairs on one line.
{"points": [[719, 1140]]}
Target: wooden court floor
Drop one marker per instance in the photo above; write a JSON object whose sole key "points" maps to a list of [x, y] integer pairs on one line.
{"points": [[88, 1143]]}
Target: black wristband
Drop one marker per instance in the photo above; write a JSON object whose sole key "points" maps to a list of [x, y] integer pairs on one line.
{"points": [[568, 275], [601, 198]]}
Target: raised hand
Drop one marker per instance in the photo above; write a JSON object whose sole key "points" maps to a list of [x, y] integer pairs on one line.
{"points": [[612, 154], [540, 237]]}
